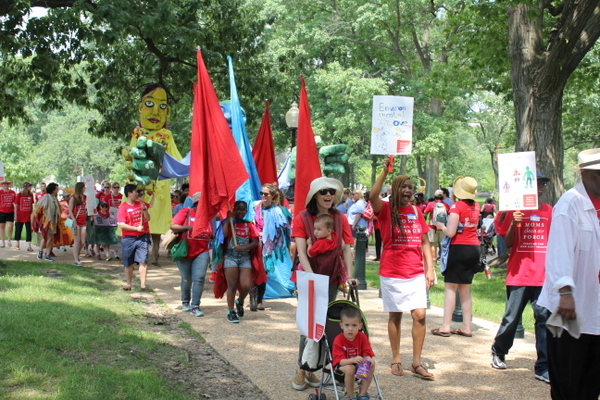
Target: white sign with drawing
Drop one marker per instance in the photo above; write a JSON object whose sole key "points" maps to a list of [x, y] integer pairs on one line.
{"points": [[392, 124], [517, 181], [1, 171], [90, 193]]}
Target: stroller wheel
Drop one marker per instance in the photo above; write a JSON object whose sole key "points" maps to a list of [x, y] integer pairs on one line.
{"points": [[312, 396], [322, 397]]}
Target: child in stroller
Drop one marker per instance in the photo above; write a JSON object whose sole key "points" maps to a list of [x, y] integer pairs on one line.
{"points": [[351, 350], [486, 236]]}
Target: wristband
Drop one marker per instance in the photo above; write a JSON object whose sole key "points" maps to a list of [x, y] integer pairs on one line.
{"points": [[565, 293]]}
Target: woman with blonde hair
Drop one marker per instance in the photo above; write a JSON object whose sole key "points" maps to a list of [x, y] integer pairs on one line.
{"points": [[404, 277], [77, 213], [273, 222], [463, 256]]}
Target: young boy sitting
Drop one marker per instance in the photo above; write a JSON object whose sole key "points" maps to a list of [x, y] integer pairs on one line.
{"points": [[351, 348]]}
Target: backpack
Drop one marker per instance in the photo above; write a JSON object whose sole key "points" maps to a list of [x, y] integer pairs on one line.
{"points": [[439, 212]]}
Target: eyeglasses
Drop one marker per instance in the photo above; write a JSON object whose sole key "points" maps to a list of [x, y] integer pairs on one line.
{"points": [[325, 191], [265, 194]]}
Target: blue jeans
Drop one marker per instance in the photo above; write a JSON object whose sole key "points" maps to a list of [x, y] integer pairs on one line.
{"points": [[192, 278], [516, 300]]}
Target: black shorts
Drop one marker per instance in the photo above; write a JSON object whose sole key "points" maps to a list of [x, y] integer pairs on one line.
{"points": [[135, 249], [7, 217], [463, 261]]}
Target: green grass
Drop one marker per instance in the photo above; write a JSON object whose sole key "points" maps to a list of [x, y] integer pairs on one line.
{"points": [[67, 332], [489, 295]]}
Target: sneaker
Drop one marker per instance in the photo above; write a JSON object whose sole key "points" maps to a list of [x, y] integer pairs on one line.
{"points": [[299, 383], [186, 306], [49, 259], [197, 312], [39, 256], [52, 254], [544, 377], [232, 317], [498, 361], [312, 380], [109, 258], [78, 264], [239, 307]]}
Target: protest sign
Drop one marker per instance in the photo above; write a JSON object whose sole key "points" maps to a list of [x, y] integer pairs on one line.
{"points": [[391, 126], [90, 193], [517, 181], [313, 296]]}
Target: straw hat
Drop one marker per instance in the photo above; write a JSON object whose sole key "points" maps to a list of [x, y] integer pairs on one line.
{"points": [[465, 188], [589, 159], [68, 191], [6, 181], [325, 183]]}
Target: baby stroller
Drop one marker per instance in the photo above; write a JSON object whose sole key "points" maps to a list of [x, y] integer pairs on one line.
{"points": [[335, 381], [486, 236]]}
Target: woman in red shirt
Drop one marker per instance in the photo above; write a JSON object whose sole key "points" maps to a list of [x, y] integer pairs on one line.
{"points": [[323, 195], [463, 257], [404, 278], [23, 209], [193, 267], [7, 212], [77, 213]]}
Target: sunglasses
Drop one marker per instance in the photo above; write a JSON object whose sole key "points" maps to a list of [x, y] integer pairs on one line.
{"points": [[106, 187], [265, 193], [325, 191], [104, 206]]}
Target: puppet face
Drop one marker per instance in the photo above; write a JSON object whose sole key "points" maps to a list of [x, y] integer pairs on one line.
{"points": [[154, 110]]}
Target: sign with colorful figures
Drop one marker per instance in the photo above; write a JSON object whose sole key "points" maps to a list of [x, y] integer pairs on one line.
{"points": [[517, 181], [1, 171], [90, 193], [392, 124]]}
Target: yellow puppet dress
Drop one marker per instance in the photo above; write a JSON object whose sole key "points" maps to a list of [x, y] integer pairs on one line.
{"points": [[160, 212]]}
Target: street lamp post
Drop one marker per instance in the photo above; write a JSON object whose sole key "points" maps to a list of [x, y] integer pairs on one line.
{"points": [[291, 119]]}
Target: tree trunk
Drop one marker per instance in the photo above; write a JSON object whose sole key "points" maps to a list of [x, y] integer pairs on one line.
{"points": [[539, 73]]}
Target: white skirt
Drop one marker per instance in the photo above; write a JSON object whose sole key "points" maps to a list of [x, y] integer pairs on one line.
{"points": [[400, 295]]}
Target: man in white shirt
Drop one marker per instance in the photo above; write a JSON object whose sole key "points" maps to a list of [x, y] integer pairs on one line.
{"points": [[572, 285]]}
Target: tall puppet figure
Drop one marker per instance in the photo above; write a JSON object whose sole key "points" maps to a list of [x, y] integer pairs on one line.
{"points": [[149, 140]]}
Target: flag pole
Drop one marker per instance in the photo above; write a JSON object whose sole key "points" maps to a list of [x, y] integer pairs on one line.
{"points": [[231, 226]]}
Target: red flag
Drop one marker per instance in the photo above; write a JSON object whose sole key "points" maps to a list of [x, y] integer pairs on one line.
{"points": [[307, 156], [263, 150], [215, 170]]}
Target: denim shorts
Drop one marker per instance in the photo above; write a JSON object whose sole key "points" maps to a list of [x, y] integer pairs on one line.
{"points": [[135, 249], [237, 262]]}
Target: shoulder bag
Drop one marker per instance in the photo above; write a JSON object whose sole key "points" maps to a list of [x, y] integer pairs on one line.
{"points": [[179, 251]]}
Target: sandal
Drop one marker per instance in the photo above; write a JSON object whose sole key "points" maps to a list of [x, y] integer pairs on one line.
{"points": [[400, 371], [146, 289], [260, 306], [127, 287], [428, 376], [461, 333], [30, 249], [437, 332]]}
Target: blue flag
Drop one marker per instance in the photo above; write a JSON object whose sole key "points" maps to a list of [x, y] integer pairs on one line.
{"points": [[250, 189]]}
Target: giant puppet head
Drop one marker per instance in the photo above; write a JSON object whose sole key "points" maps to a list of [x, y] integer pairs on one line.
{"points": [[154, 108]]}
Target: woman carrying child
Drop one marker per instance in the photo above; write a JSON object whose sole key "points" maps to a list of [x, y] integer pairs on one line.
{"points": [[404, 278], [351, 348], [323, 196], [237, 262]]}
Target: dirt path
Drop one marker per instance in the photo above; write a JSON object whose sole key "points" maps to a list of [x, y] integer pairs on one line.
{"points": [[264, 348]]}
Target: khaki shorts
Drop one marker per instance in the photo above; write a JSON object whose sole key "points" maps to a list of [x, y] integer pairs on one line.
{"points": [[435, 237]]}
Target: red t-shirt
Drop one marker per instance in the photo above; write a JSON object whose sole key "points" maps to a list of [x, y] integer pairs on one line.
{"points": [[469, 217], [402, 255], [39, 195], [111, 200], [197, 244], [25, 206], [344, 348], [7, 201], [79, 211], [298, 229], [596, 204], [132, 216], [241, 232], [527, 259]]}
